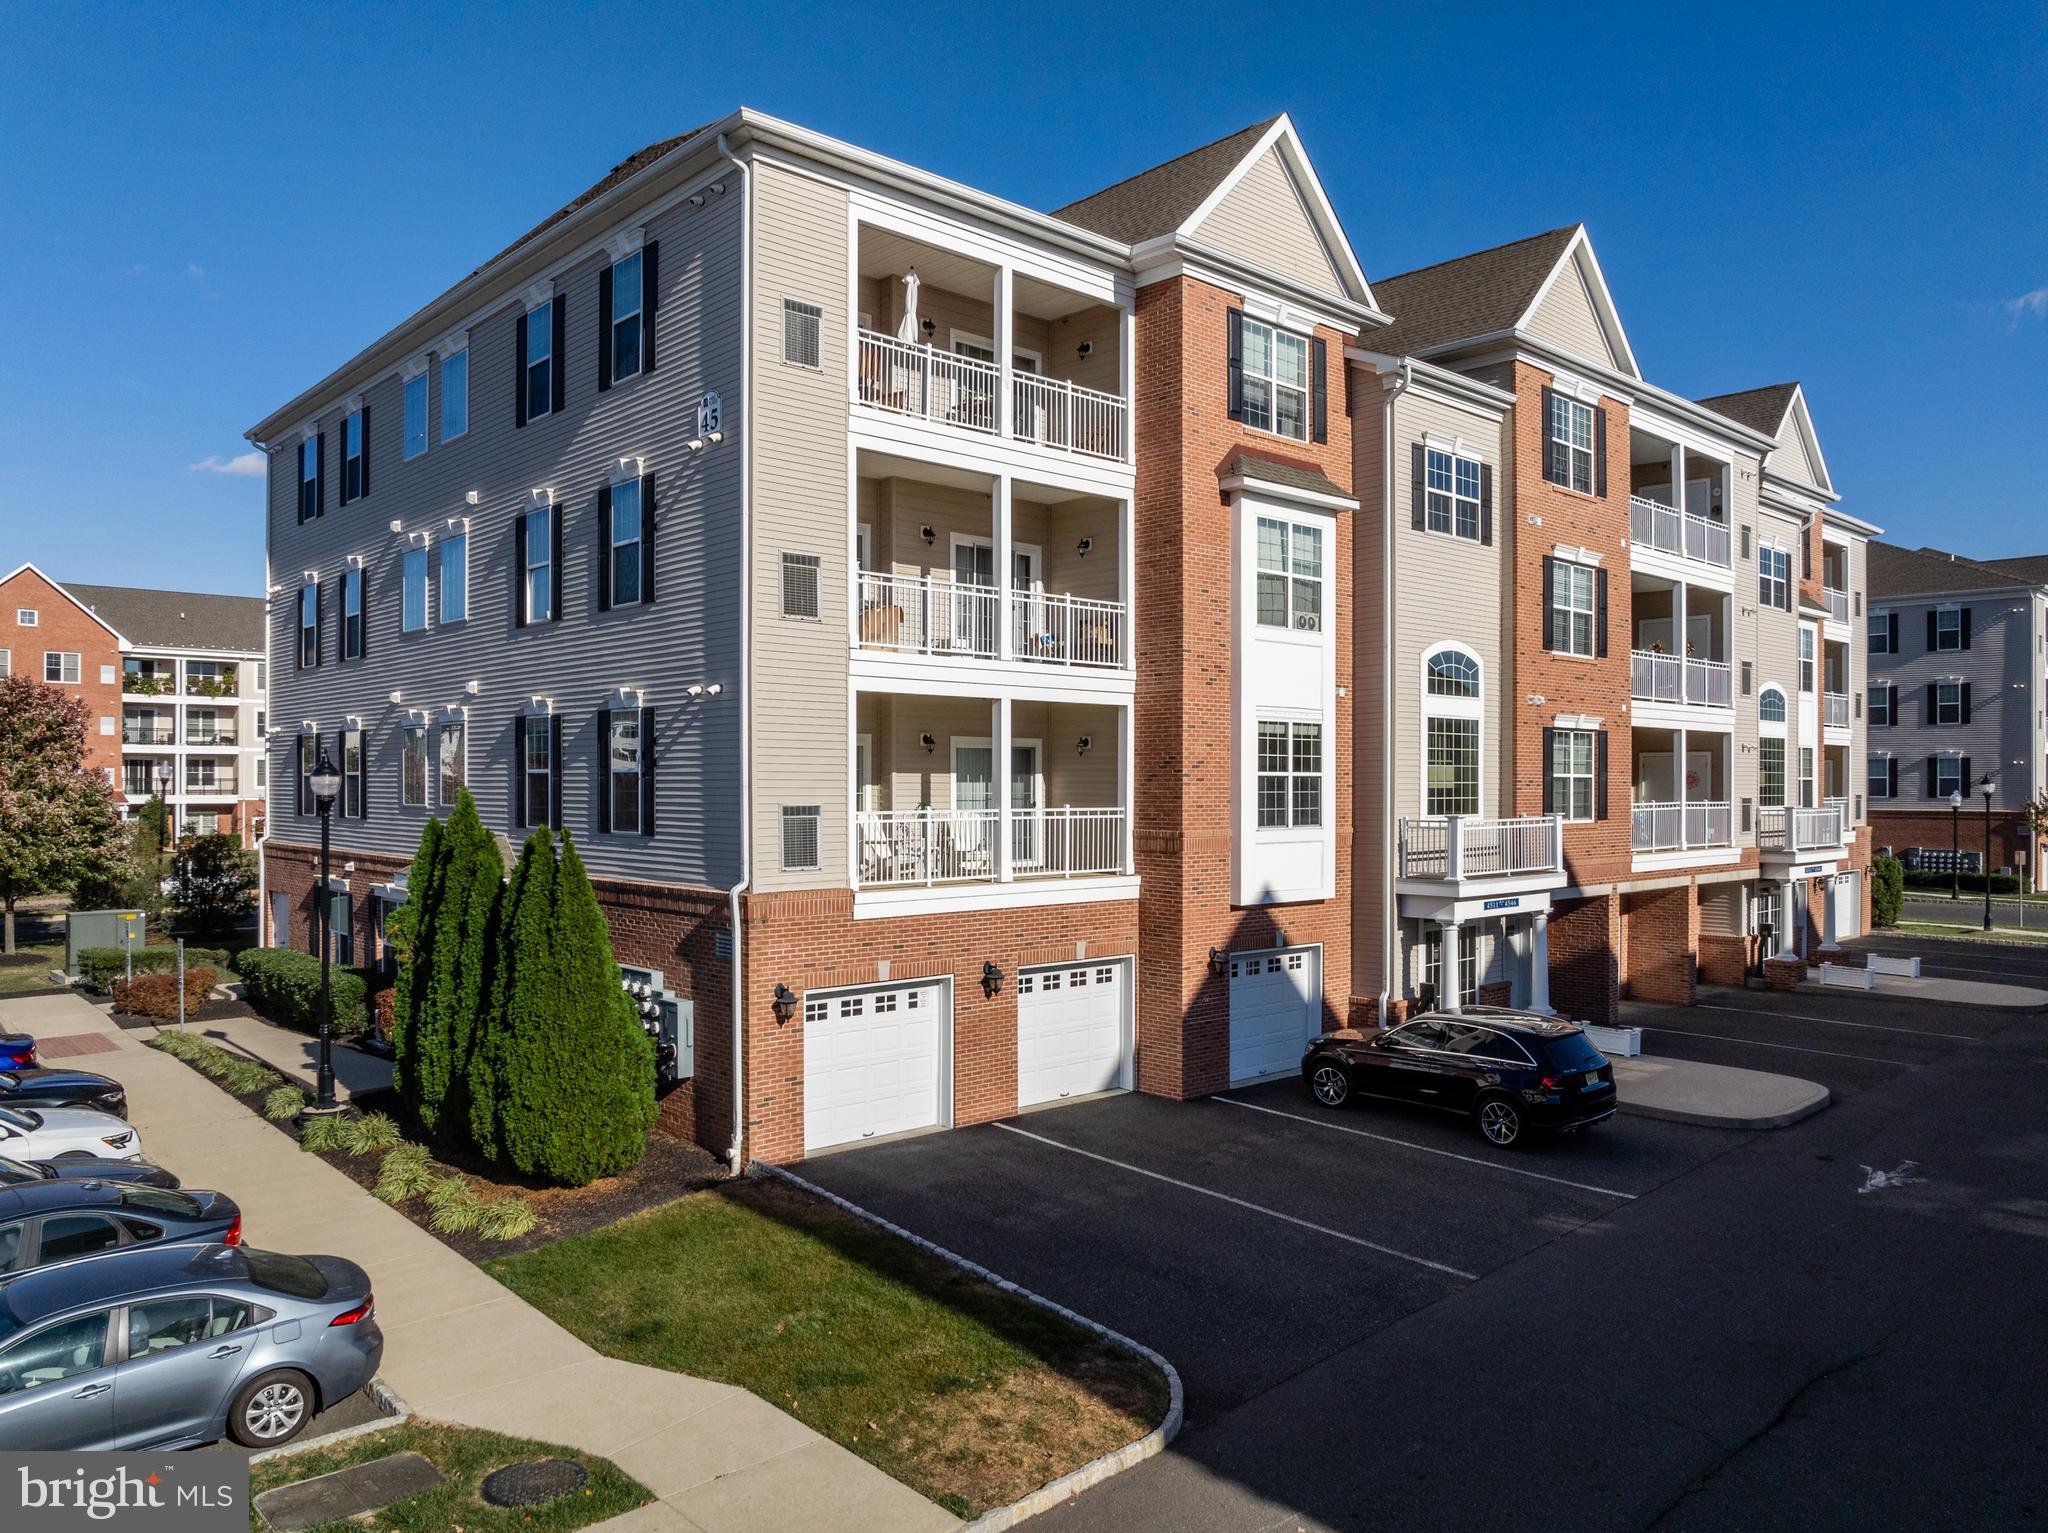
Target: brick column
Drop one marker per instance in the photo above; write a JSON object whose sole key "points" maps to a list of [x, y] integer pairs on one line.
{"points": [[1585, 958]]}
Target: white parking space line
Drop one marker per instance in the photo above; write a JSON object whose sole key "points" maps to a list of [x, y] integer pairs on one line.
{"points": [[1791, 1048], [1869, 1027], [1409, 1144], [1257, 1208]]}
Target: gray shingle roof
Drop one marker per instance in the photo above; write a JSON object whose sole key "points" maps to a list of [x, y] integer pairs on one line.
{"points": [[1159, 200], [1896, 571], [630, 166], [1274, 471], [1470, 295], [178, 619], [1762, 410], [2030, 568]]}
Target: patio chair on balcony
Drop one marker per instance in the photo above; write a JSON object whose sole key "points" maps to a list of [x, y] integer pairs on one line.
{"points": [[882, 624]]}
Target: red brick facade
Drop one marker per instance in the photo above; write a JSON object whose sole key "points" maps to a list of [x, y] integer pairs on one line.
{"points": [[1930, 828], [1660, 941], [64, 627]]}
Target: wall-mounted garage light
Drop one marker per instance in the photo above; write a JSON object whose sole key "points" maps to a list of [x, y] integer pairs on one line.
{"points": [[927, 534], [991, 979], [928, 743], [1217, 961], [1081, 745], [785, 1003]]}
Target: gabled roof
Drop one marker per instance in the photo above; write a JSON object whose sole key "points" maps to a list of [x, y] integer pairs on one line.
{"points": [[2031, 568], [177, 619], [1780, 412], [1470, 295], [62, 590], [1164, 198], [1896, 571], [1761, 410], [625, 170]]}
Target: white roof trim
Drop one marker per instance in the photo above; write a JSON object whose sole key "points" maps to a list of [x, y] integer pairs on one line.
{"points": [[1579, 251], [1809, 439], [58, 587]]}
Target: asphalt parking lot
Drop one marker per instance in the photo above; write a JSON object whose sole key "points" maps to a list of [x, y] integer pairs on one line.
{"points": [[1647, 1312]]}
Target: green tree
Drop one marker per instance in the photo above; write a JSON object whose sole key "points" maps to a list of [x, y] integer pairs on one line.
{"points": [[213, 883], [1887, 890], [571, 1071], [132, 879], [57, 819], [520, 981], [410, 931], [463, 959]]}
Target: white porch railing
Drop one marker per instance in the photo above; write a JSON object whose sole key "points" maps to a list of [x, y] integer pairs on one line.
{"points": [[1836, 709], [926, 615], [1456, 848], [1780, 829], [920, 847], [1685, 533], [1058, 843], [1838, 604], [1065, 415], [1066, 630], [1655, 677], [1686, 826], [924, 381]]}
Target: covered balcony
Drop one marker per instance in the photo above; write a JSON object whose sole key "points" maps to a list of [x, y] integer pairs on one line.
{"points": [[1836, 710], [1680, 644], [1682, 800], [932, 323], [147, 726], [1834, 581], [205, 779], [1678, 501], [1462, 849], [149, 678], [1792, 832], [207, 728]]}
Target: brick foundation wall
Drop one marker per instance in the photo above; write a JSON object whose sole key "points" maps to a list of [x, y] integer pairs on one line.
{"points": [[1661, 940], [1725, 960], [1783, 973], [1586, 944]]}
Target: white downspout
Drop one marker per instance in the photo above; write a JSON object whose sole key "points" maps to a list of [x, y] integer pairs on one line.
{"points": [[1389, 914], [735, 1156]]}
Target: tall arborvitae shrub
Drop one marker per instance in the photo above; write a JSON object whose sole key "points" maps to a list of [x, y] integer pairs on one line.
{"points": [[410, 931], [519, 981], [572, 1071], [465, 944]]}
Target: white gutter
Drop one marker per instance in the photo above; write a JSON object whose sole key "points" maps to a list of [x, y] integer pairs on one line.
{"points": [[1389, 915], [736, 1155]]}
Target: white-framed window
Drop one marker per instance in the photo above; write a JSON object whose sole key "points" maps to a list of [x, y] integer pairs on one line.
{"points": [[1880, 632], [540, 569], [1773, 577], [352, 773], [540, 363], [1468, 962], [354, 455], [1275, 380], [455, 577], [106, 724], [60, 667], [454, 394], [1948, 702], [1571, 443], [1452, 762], [1880, 704], [1452, 673], [1452, 496], [106, 675], [203, 822], [1806, 784], [6, 662], [262, 677], [623, 768], [1948, 776], [1290, 775], [352, 614], [803, 333], [416, 415], [1807, 646], [309, 757], [341, 922], [412, 773], [800, 840], [800, 585], [454, 763], [1574, 621], [536, 766], [262, 773], [27, 617], [1573, 753], [1770, 771], [628, 298], [309, 625], [1880, 776], [412, 615], [1770, 707], [1290, 575], [624, 535], [1948, 629], [309, 478]]}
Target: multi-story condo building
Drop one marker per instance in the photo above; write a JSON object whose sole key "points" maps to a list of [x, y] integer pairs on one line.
{"points": [[1615, 657], [1959, 652], [177, 682]]}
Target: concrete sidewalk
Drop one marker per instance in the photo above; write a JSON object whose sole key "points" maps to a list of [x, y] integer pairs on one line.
{"points": [[1716, 1096], [1938, 991], [460, 1347]]}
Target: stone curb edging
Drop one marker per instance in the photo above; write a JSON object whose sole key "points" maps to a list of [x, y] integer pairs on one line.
{"points": [[396, 1413], [1053, 1492], [1898, 936], [1725, 1120]]}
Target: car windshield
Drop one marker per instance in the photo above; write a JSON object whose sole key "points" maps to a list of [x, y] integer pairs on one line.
{"points": [[25, 1121], [13, 1173], [292, 1275], [1574, 1051], [156, 1200]]}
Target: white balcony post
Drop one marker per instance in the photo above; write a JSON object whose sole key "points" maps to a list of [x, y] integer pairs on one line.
{"points": [[1005, 384], [1679, 646], [1539, 961], [1684, 828], [1127, 349], [1454, 846], [1005, 621], [1448, 965], [999, 736], [1678, 488]]}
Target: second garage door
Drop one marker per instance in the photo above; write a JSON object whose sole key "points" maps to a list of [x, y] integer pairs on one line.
{"points": [[871, 1062], [1071, 1030], [1276, 1006]]}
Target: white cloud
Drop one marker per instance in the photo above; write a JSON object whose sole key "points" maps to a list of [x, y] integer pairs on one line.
{"points": [[2032, 305], [247, 465]]}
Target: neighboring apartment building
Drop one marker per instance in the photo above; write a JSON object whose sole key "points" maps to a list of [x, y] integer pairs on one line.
{"points": [[1617, 661], [1959, 648], [176, 681]]}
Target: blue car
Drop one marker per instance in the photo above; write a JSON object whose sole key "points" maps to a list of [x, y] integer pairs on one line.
{"points": [[17, 1051]]}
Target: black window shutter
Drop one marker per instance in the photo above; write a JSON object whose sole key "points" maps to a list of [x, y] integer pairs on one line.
{"points": [[646, 771], [1966, 628], [1486, 504], [1550, 640], [1553, 470], [1235, 364], [363, 633], [1318, 390], [555, 770], [320, 475], [1932, 780], [519, 571], [519, 381], [1891, 620], [1891, 777], [1600, 452], [604, 770], [556, 593], [1968, 780], [604, 330], [299, 775], [319, 620], [1927, 703], [519, 726], [1966, 702], [1930, 630], [365, 478], [1891, 708], [1806, 556], [604, 549], [341, 617], [1600, 613], [646, 538], [363, 771], [1418, 460], [1600, 775], [1549, 771], [559, 370], [650, 290]]}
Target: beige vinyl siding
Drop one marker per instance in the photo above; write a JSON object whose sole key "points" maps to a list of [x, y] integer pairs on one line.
{"points": [[899, 509], [799, 712], [1858, 773], [1566, 318], [1788, 459], [909, 777], [1371, 840], [1264, 220], [1774, 644]]}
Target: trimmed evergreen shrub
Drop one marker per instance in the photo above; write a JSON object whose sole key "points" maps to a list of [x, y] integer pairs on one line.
{"points": [[457, 936], [284, 985], [156, 995], [1969, 883], [1887, 890], [522, 953], [102, 968]]}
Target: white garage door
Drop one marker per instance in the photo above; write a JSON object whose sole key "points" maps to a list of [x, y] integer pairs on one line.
{"points": [[1847, 894], [1070, 1030], [871, 1062], [1276, 1006]]}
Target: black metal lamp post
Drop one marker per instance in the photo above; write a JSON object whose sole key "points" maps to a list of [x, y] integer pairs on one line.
{"points": [[1955, 845], [163, 818], [1987, 788], [325, 781]]}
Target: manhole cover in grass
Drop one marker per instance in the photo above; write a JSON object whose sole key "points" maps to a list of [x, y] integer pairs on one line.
{"points": [[531, 1484]]}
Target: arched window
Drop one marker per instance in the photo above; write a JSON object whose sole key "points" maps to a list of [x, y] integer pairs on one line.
{"points": [[1770, 747], [1452, 673], [1770, 706], [1451, 727]]}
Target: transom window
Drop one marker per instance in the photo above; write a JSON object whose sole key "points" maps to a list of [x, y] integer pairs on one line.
{"points": [[625, 541], [1774, 577], [1948, 702], [1290, 785], [413, 616], [1452, 782], [1290, 576], [354, 480], [1948, 628], [1572, 755], [540, 362], [1275, 380], [351, 614], [1770, 706], [454, 764], [1573, 590], [1571, 443], [628, 295], [1453, 673], [416, 415], [1453, 494]]}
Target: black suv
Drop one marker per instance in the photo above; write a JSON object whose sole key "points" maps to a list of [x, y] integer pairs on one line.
{"points": [[1509, 1071]]}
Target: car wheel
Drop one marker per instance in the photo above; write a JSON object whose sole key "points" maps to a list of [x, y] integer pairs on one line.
{"points": [[1501, 1122], [1330, 1083], [271, 1410]]}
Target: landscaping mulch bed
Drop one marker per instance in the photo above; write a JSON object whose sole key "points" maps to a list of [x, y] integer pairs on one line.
{"points": [[211, 1011]]}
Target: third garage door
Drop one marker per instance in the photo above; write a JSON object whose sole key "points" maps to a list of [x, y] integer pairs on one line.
{"points": [[1072, 1030], [1276, 1006]]}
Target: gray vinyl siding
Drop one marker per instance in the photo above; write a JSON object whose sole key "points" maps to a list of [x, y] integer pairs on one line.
{"points": [[690, 633], [1999, 664], [1264, 220], [1566, 318], [800, 505]]}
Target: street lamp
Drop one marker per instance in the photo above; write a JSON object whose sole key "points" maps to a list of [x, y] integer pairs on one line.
{"points": [[1955, 845], [325, 781], [163, 816], [1987, 787]]}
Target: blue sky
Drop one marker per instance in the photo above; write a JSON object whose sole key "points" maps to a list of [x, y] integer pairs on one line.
{"points": [[208, 209]]}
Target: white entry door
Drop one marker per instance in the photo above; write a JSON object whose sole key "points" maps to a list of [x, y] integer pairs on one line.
{"points": [[872, 1062], [1847, 894], [1276, 1006], [1071, 1031]]}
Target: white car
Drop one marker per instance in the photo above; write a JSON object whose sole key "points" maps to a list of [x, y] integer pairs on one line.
{"points": [[52, 1133]]}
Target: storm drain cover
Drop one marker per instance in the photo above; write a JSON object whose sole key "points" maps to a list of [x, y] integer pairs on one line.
{"points": [[347, 1492], [531, 1484]]}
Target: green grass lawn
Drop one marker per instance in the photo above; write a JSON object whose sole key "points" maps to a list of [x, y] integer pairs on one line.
{"points": [[465, 1455], [965, 1394], [28, 967], [1973, 929]]}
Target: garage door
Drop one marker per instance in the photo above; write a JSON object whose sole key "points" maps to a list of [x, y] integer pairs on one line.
{"points": [[871, 1062], [1848, 897], [1276, 1006], [1070, 1030]]}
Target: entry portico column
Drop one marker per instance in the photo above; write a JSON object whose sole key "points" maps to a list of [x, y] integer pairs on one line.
{"points": [[1447, 968], [1539, 961], [1788, 892]]}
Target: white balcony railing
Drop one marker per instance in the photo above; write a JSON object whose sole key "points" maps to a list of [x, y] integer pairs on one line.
{"points": [[1059, 414], [1653, 524], [921, 847], [926, 615], [1780, 829], [1838, 604], [923, 381], [1836, 709], [1456, 848], [1655, 677], [1686, 826], [1066, 630]]}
